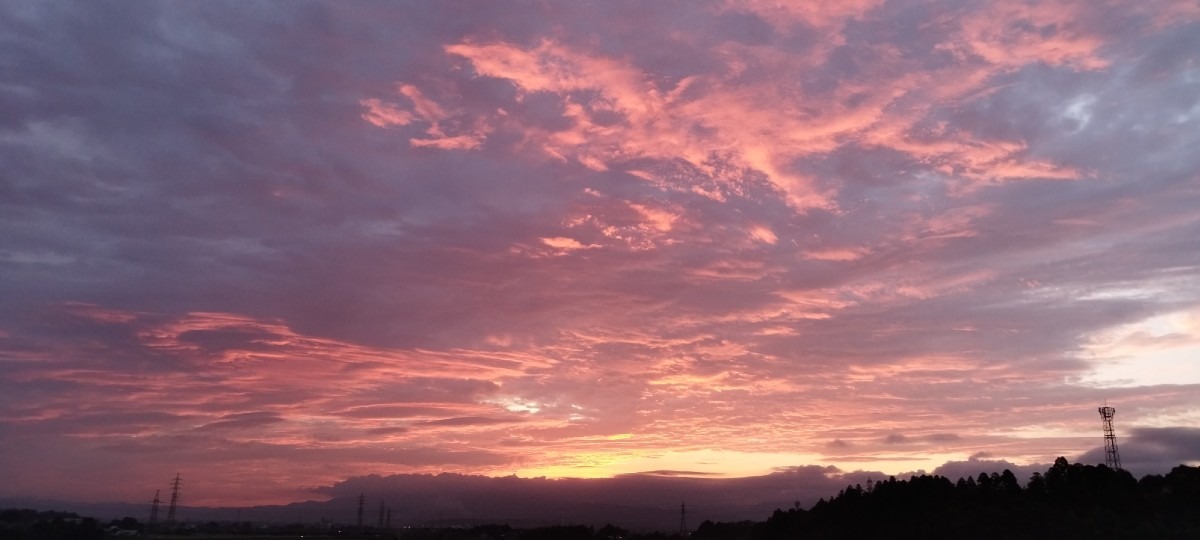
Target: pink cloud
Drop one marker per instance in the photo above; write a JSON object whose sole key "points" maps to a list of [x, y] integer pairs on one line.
{"points": [[1013, 34], [429, 112], [97, 313], [566, 244], [763, 234], [835, 254], [617, 113], [819, 15], [653, 122], [460, 142], [384, 115]]}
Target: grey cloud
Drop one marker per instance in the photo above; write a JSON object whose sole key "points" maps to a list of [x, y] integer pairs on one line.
{"points": [[469, 421], [646, 501], [687, 474], [387, 431], [248, 420], [1152, 450], [943, 437], [641, 501]]}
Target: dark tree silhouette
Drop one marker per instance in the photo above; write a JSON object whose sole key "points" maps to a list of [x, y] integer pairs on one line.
{"points": [[1068, 501]]}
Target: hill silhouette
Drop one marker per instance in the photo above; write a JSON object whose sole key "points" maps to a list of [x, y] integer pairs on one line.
{"points": [[1067, 501]]}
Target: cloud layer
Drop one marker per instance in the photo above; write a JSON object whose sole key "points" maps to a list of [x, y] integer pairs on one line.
{"points": [[274, 248]]}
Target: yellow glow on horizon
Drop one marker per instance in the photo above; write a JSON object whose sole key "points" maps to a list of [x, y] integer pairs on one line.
{"points": [[731, 464], [1048, 432], [707, 463]]}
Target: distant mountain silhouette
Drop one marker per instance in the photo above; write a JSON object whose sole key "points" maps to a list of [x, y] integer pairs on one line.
{"points": [[1066, 501]]}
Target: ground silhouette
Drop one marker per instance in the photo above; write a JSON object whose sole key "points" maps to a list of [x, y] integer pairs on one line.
{"points": [[1068, 501]]}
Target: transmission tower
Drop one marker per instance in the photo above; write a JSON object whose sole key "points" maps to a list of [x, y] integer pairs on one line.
{"points": [[174, 498], [683, 519], [154, 510], [380, 514], [362, 501], [1111, 458]]}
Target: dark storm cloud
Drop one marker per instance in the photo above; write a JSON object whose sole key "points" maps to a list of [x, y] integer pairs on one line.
{"points": [[647, 500]]}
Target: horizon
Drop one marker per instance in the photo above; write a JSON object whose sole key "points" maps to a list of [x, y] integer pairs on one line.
{"points": [[286, 246], [1066, 499], [816, 482], [640, 501]]}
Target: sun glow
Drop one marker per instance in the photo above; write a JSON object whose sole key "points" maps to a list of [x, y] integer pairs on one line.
{"points": [[705, 463]]}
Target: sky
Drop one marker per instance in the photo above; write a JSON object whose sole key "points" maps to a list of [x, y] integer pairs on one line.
{"points": [[279, 248]]}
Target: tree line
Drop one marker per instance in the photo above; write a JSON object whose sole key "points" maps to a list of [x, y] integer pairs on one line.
{"points": [[1070, 500]]}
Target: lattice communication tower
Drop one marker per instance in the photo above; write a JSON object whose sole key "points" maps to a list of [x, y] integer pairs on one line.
{"points": [[1111, 457]]}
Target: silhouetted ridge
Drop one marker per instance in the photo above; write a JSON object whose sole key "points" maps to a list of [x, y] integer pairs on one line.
{"points": [[1068, 501]]}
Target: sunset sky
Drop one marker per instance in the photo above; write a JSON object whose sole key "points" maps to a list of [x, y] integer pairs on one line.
{"points": [[275, 247]]}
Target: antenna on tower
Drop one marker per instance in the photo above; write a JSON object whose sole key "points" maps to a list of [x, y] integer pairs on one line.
{"points": [[154, 511], [683, 519], [174, 499], [1111, 458]]}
